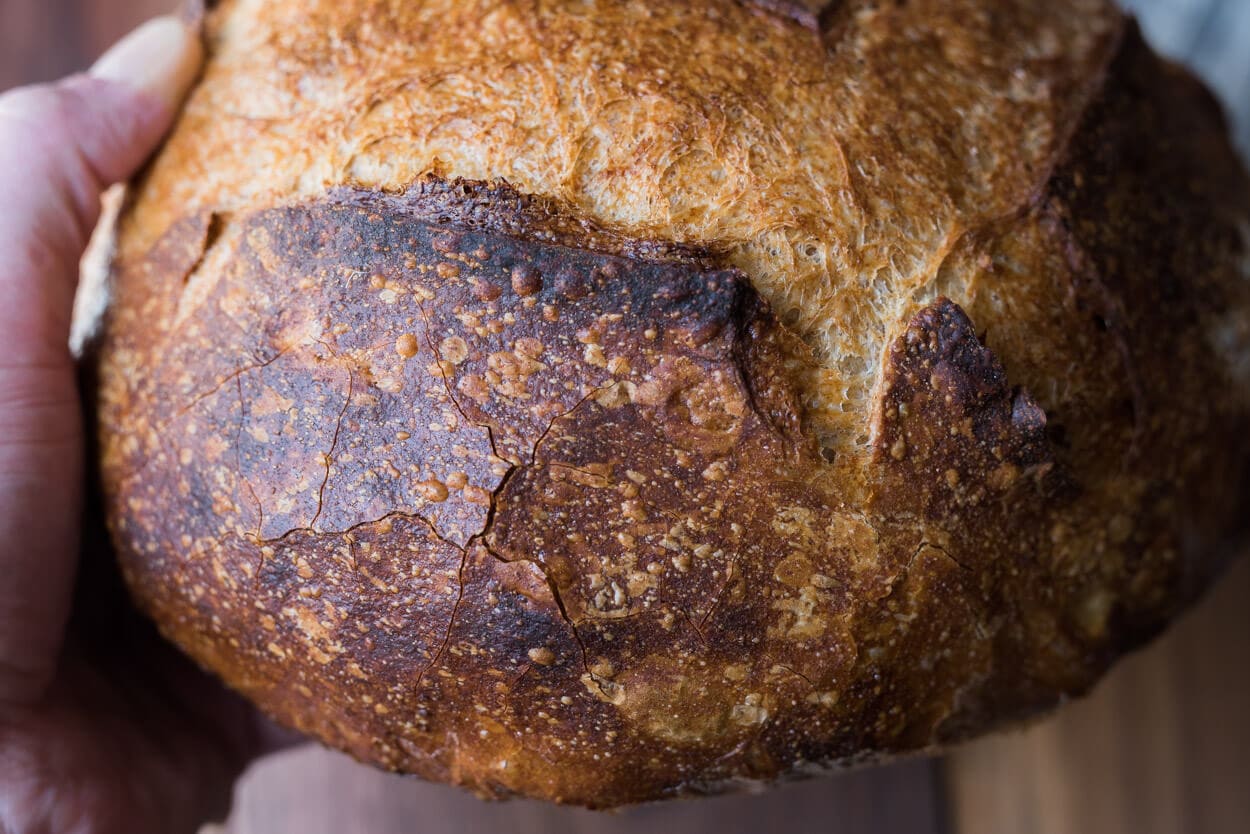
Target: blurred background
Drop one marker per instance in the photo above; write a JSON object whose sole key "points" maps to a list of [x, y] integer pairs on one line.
{"points": [[1162, 746]]}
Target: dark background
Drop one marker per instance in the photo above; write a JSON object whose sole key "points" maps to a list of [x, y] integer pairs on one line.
{"points": [[1161, 747]]}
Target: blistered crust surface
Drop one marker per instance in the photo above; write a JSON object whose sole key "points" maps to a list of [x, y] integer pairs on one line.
{"points": [[539, 487]]}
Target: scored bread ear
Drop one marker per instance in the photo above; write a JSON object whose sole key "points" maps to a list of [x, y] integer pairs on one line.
{"points": [[952, 432]]}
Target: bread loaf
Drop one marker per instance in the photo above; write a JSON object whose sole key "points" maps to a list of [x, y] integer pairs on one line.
{"points": [[610, 401]]}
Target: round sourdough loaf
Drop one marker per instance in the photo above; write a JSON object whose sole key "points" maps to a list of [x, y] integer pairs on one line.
{"points": [[607, 401]]}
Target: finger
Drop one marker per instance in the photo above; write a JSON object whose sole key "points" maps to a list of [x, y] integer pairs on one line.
{"points": [[60, 146]]}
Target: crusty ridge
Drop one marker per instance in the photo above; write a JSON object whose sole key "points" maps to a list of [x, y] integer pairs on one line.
{"points": [[819, 163]]}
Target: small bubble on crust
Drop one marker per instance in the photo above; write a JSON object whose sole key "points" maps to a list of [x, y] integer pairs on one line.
{"points": [[406, 346], [486, 291], [593, 355], [432, 490], [453, 349], [476, 495], [542, 656], [526, 280], [716, 470]]}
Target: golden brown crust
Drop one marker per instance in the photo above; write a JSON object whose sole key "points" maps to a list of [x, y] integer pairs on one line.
{"points": [[835, 169], [594, 486]]}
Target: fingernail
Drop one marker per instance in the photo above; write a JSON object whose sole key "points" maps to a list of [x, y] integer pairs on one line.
{"points": [[162, 58]]}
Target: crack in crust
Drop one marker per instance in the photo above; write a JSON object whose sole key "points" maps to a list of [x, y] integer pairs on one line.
{"points": [[644, 384]]}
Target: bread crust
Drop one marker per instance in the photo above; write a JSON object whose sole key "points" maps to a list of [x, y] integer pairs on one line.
{"points": [[533, 487]]}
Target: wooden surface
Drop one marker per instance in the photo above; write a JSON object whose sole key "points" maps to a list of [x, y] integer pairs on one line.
{"points": [[1161, 747], [311, 791]]}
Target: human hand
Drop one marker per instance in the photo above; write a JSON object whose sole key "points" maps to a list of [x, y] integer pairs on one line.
{"points": [[103, 728]]}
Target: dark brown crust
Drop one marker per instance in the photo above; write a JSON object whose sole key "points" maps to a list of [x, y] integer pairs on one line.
{"points": [[602, 424], [1135, 239], [953, 432], [630, 390], [500, 208], [1153, 221], [472, 489], [791, 10]]}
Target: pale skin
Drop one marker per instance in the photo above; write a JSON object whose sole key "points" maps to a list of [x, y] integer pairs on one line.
{"points": [[103, 728]]}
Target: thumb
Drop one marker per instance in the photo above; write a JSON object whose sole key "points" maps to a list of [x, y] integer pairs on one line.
{"points": [[60, 145]]}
